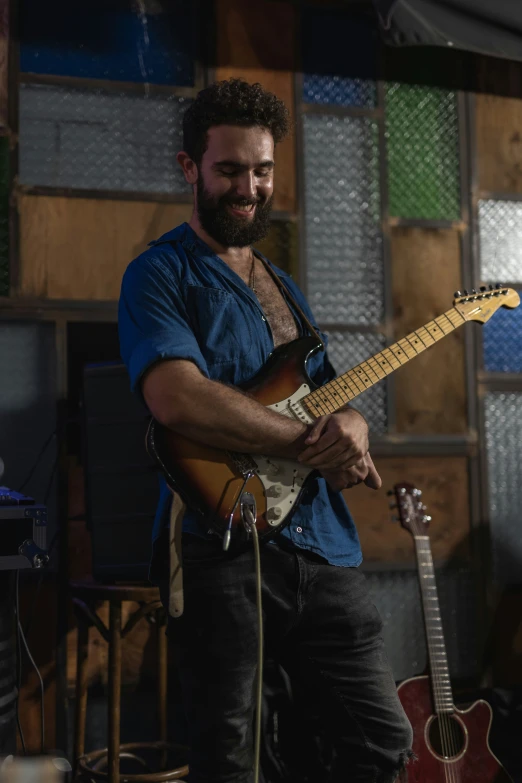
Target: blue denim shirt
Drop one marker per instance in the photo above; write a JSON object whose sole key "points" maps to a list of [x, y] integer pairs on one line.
{"points": [[182, 301]]}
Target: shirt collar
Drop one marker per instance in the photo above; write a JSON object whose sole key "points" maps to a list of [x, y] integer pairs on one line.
{"points": [[191, 242]]}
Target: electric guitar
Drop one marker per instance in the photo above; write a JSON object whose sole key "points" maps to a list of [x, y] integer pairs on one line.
{"points": [[213, 481], [450, 745]]}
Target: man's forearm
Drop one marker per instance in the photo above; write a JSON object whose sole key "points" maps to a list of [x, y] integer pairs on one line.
{"points": [[222, 416]]}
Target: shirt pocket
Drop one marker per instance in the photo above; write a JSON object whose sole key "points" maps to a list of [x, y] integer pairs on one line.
{"points": [[221, 324]]}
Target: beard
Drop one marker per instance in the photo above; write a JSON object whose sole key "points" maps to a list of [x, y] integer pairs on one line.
{"points": [[228, 230]]}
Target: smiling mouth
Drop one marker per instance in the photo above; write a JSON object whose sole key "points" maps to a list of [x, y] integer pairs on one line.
{"points": [[242, 209]]}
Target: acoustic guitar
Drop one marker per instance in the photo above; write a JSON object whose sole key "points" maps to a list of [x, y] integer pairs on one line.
{"points": [[450, 745], [213, 481]]}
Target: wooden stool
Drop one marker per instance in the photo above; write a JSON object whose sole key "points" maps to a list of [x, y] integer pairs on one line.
{"points": [[85, 595]]}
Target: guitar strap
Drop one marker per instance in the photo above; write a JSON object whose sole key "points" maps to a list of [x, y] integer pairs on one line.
{"points": [[286, 294]]}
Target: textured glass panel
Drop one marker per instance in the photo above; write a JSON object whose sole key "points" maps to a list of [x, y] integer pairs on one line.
{"points": [[4, 217], [423, 152], [343, 237], [281, 246], [503, 418], [345, 350], [128, 42], [338, 90], [503, 341], [100, 141], [338, 53], [500, 231], [396, 595]]}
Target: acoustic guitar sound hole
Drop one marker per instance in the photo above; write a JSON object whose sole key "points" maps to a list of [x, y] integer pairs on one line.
{"points": [[446, 736]]}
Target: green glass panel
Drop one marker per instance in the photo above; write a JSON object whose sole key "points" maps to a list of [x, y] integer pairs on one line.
{"points": [[423, 152], [281, 246], [4, 216]]}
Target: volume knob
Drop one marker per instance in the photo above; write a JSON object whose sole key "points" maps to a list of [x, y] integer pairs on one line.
{"points": [[275, 491], [275, 512], [272, 469]]}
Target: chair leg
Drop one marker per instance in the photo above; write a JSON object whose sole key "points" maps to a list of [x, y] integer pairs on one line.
{"points": [[161, 624], [82, 651], [114, 690]]}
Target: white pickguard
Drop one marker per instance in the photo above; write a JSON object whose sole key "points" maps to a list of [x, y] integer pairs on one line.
{"points": [[283, 478]]}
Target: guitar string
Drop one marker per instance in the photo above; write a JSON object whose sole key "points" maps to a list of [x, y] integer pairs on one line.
{"points": [[437, 687]]}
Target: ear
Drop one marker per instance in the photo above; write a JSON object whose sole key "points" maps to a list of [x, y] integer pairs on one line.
{"points": [[189, 168]]}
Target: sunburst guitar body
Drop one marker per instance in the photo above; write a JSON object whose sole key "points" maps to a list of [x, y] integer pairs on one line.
{"points": [[213, 480]]}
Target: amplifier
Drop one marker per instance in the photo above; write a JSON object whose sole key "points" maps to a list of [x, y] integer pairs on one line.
{"points": [[23, 536], [121, 481]]}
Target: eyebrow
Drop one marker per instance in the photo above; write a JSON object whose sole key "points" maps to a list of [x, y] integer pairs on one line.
{"points": [[265, 164]]}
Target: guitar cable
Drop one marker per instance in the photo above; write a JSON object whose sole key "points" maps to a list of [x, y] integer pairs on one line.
{"points": [[248, 514]]}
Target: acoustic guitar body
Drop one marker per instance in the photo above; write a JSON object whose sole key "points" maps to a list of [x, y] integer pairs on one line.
{"points": [[211, 480], [472, 760]]}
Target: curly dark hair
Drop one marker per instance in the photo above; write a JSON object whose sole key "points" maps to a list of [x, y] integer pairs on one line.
{"points": [[232, 102]]}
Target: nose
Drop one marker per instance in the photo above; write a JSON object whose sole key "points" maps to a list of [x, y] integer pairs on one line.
{"points": [[246, 186]]}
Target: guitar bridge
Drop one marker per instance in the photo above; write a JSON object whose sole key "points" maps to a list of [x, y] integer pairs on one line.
{"points": [[243, 462]]}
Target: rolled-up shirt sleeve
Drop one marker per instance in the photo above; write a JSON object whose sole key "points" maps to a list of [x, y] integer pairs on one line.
{"points": [[153, 323]]}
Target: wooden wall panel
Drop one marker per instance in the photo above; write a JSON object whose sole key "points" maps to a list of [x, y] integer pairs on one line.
{"points": [[431, 389], [76, 248], [444, 484], [256, 41], [499, 143]]}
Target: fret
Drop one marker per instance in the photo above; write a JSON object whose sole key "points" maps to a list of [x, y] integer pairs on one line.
{"points": [[335, 394], [441, 683]]}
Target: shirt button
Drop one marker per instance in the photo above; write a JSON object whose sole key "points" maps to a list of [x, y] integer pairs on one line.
{"points": [[299, 530]]}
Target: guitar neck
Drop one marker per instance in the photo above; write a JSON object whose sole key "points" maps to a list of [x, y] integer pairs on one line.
{"points": [[440, 679], [336, 393]]}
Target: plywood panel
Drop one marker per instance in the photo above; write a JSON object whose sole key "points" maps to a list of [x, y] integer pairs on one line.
{"points": [[499, 143], [256, 42], [75, 248], [431, 389], [444, 484]]}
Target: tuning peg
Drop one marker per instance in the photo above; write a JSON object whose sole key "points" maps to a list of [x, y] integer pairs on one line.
{"points": [[466, 292], [457, 294], [390, 492], [474, 291], [417, 493], [483, 288], [426, 518], [498, 285]]}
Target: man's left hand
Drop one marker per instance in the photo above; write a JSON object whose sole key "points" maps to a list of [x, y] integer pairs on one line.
{"points": [[337, 440]]}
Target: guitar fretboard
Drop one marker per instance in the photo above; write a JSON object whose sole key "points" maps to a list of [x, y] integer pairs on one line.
{"points": [[336, 393], [440, 678]]}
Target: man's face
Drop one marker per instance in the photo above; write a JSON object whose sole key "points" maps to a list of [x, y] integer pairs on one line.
{"points": [[235, 185]]}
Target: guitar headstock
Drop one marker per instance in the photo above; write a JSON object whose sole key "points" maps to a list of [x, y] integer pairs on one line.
{"points": [[480, 305], [411, 509]]}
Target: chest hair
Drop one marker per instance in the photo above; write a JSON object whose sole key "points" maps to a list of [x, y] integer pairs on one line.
{"points": [[282, 322]]}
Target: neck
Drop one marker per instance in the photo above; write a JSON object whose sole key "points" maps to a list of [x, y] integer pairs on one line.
{"points": [[236, 257], [440, 679]]}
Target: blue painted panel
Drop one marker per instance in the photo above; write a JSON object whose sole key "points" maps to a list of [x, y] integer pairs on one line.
{"points": [[503, 341], [338, 55], [109, 40]]}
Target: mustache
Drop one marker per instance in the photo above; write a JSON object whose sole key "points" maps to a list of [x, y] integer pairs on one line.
{"points": [[244, 202]]}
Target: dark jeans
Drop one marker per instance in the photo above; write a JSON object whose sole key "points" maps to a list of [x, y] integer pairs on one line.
{"points": [[320, 624]]}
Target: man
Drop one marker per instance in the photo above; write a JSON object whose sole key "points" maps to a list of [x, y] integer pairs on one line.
{"points": [[199, 315]]}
